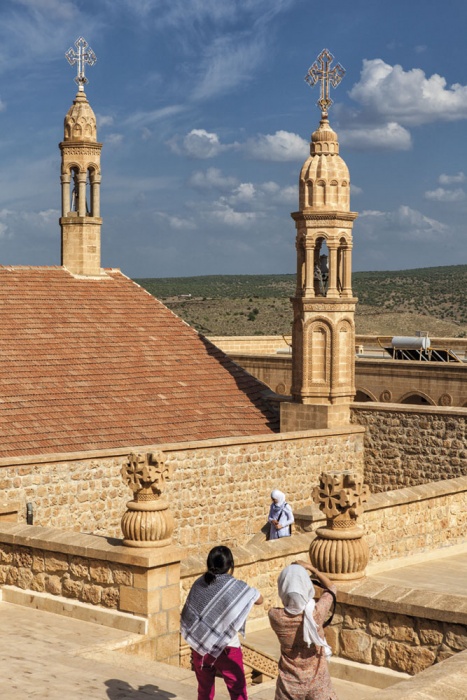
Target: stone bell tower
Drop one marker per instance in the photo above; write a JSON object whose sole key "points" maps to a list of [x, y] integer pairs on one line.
{"points": [[81, 177], [323, 335]]}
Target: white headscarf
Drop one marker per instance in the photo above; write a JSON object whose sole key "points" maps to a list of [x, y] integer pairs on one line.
{"points": [[296, 593], [278, 497]]}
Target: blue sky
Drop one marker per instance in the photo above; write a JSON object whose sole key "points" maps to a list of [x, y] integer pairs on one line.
{"points": [[205, 119]]}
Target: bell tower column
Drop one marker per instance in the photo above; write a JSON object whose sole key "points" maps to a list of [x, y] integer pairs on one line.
{"points": [[80, 177], [323, 336]]}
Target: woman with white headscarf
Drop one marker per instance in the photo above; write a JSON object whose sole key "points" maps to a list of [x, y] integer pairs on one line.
{"points": [[303, 668], [280, 516]]}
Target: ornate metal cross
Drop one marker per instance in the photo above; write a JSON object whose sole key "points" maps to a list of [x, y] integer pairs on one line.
{"points": [[83, 55], [320, 70]]}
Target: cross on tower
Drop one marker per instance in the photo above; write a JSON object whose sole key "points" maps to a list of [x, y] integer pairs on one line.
{"points": [[83, 55], [320, 70]]}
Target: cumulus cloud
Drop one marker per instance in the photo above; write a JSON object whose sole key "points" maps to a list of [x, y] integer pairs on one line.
{"points": [[198, 143], [212, 179], [391, 136], [38, 223], [408, 97], [226, 214], [452, 179], [442, 195], [281, 146], [404, 223]]}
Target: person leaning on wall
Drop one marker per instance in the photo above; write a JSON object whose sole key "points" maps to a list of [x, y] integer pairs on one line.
{"points": [[280, 516]]}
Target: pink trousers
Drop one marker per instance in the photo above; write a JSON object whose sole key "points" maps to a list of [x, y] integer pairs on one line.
{"points": [[229, 664]]}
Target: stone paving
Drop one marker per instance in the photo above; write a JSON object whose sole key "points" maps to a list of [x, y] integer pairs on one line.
{"points": [[43, 655]]}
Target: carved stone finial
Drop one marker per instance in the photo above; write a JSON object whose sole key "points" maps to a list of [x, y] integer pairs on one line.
{"points": [[146, 474], [148, 522], [341, 496], [340, 549]]}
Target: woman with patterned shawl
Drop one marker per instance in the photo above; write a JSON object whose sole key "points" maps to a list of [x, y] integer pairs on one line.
{"points": [[303, 667], [215, 611]]}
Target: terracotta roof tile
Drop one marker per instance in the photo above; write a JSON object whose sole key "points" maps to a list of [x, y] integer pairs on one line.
{"points": [[90, 364]]}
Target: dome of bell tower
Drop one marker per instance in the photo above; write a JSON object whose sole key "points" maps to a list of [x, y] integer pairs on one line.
{"points": [[80, 121], [324, 179]]}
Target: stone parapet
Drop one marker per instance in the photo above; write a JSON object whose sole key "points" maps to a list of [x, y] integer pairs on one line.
{"points": [[219, 492], [399, 628], [445, 681], [99, 572], [407, 522]]}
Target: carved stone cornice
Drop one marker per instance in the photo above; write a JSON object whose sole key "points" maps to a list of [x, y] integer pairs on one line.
{"points": [[324, 216], [82, 149]]}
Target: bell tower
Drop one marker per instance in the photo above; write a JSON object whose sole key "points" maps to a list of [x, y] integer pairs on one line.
{"points": [[81, 177], [323, 335]]}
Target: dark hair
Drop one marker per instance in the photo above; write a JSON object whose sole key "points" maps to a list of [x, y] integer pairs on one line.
{"points": [[220, 561]]}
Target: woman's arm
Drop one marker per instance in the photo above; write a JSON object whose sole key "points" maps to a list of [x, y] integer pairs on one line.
{"points": [[288, 515], [322, 578]]}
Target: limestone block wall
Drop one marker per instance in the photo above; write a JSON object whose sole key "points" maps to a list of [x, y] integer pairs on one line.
{"points": [[90, 581], [399, 642], [252, 344], [219, 493], [88, 577], [410, 445], [406, 522]]}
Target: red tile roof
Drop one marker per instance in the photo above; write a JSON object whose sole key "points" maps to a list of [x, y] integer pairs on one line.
{"points": [[90, 364]]}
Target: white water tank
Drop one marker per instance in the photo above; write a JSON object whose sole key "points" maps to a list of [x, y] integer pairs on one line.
{"points": [[409, 342]]}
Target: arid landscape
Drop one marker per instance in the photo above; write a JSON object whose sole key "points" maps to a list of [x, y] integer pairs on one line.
{"points": [[390, 303]]}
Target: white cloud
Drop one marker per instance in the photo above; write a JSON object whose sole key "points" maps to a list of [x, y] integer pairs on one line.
{"points": [[58, 9], [281, 146], [227, 63], [355, 190], [404, 224], [104, 120], [198, 143], [389, 136], [452, 179], [408, 97], [142, 119], [212, 179], [225, 214], [442, 195], [245, 192], [420, 48], [114, 139], [177, 223]]}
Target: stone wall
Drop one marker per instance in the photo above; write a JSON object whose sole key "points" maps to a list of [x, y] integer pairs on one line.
{"points": [[95, 579], [410, 445], [87, 580], [254, 345], [399, 642], [406, 522], [219, 493]]}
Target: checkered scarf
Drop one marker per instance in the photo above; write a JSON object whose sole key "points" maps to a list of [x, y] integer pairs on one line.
{"points": [[215, 612]]}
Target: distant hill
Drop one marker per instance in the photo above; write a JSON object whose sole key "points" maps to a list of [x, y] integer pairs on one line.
{"points": [[390, 303]]}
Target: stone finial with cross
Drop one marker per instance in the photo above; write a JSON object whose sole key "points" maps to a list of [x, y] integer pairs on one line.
{"points": [[321, 70], [83, 54]]}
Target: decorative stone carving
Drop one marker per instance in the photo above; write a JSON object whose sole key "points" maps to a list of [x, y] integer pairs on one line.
{"points": [[148, 522], [340, 549], [386, 396], [445, 400]]}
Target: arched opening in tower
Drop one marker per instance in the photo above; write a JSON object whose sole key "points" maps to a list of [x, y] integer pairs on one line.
{"points": [[321, 268]]}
